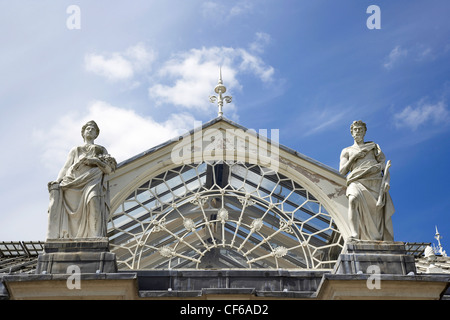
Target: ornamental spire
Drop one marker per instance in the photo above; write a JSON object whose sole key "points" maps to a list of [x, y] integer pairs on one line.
{"points": [[220, 89], [440, 249]]}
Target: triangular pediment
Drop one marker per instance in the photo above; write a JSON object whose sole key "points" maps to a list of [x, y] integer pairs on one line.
{"points": [[215, 139]]}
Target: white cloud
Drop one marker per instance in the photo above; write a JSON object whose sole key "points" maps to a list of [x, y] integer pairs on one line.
{"points": [[219, 12], [425, 53], [320, 119], [123, 133], [140, 56], [241, 7], [394, 57], [261, 41], [114, 68], [255, 64], [419, 53], [424, 113], [120, 66], [194, 74]]}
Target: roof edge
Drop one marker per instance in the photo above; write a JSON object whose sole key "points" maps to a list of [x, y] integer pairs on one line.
{"points": [[235, 124]]}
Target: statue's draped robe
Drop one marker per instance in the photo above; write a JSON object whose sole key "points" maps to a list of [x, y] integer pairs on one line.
{"points": [[364, 183], [79, 206]]}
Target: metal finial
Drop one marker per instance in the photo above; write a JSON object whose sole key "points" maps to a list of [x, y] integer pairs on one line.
{"points": [[220, 75], [438, 237], [220, 89]]}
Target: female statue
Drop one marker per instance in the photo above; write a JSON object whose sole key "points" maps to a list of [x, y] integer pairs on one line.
{"points": [[79, 198]]}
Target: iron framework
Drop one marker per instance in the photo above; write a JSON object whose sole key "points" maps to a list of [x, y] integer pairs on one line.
{"points": [[223, 215], [19, 256]]}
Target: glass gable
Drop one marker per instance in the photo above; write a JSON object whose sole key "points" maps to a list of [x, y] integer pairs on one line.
{"points": [[219, 215]]}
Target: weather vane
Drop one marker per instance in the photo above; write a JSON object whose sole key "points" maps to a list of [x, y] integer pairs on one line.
{"points": [[220, 89]]}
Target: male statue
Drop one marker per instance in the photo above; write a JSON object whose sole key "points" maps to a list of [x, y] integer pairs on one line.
{"points": [[370, 205], [79, 198]]}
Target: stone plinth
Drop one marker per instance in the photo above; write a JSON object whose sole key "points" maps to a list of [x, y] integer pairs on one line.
{"points": [[375, 256], [89, 255]]}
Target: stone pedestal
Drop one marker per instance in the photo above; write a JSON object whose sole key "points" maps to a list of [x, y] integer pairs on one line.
{"points": [[89, 255], [375, 257]]}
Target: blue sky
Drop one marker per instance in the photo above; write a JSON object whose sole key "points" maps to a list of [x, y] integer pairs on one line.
{"points": [[144, 71]]}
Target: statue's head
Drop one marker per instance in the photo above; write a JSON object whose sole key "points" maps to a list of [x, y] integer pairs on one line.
{"points": [[91, 124], [358, 129]]}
